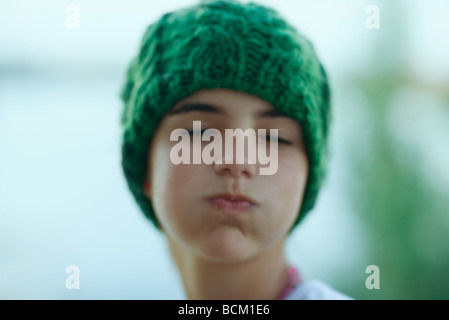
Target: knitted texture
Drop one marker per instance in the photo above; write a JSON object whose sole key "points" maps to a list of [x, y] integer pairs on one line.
{"points": [[244, 47]]}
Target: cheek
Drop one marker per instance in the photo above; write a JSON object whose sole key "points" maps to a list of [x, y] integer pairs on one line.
{"points": [[288, 186], [293, 173], [173, 189]]}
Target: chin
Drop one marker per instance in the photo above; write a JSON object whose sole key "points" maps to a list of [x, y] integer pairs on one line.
{"points": [[227, 244]]}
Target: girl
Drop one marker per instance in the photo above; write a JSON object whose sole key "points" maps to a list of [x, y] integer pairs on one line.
{"points": [[229, 65]]}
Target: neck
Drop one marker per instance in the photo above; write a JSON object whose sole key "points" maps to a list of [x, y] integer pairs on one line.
{"points": [[258, 278]]}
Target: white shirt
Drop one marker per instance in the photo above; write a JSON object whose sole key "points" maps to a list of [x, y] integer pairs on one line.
{"points": [[315, 290]]}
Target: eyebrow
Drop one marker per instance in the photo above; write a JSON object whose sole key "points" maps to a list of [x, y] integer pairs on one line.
{"points": [[203, 107]]}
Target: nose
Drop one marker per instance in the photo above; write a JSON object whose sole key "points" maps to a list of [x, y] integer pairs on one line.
{"points": [[230, 166]]}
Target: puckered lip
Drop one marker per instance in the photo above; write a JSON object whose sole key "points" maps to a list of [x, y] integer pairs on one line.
{"points": [[233, 197]]}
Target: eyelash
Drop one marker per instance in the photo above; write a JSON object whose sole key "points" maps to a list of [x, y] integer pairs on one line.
{"points": [[281, 140]]}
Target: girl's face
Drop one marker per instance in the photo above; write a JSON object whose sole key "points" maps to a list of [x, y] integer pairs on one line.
{"points": [[190, 199]]}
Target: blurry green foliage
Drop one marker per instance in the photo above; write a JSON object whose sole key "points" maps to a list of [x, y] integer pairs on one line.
{"points": [[405, 217]]}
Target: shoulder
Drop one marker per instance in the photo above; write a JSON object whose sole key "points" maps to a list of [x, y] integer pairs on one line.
{"points": [[315, 290]]}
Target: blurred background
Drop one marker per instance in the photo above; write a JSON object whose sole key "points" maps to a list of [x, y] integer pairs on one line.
{"points": [[64, 199]]}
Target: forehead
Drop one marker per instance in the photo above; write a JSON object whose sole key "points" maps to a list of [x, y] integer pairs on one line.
{"points": [[226, 102]]}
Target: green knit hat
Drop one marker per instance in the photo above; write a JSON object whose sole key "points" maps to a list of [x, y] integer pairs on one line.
{"points": [[231, 45]]}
